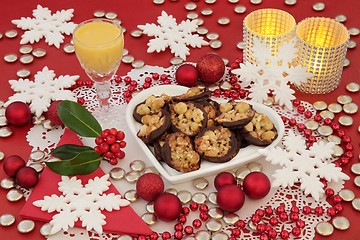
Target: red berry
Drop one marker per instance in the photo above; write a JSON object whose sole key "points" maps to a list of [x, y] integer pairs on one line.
{"points": [[120, 135], [178, 227], [167, 81], [203, 208], [120, 154], [260, 212], [306, 210], [127, 80], [131, 89], [280, 209], [165, 235], [295, 209], [127, 94], [118, 79], [268, 211], [185, 211], [109, 155], [300, 223], [338, 208], [317, 118], [236, 87], [105, 133], [163, 77], [182, 219], [178, 235], [329, 192], [240, 224], [301, 109], [122, 144], [294, 217], [113, 131], [292, 122], [79, 83], [133, 83], [349, 154], [99, 140], [272, 233], [255, 218], [296, 103], [194, 206], [301, 127], [110, 139], [204, 216], [217, 92], [155, 76], [319, 211], [327, 121], [331, 212], [234, 95], [235, 232], [233, 80], [113, 161], [104, 147], [189, 230], [264, 237], [115, 147], [337, 199], [148, 80], [307, 114], [307, 132], [154, 236], [260, 228], [284, 234], [97, 149], [296, 231], [227, 93], [273, 221], [89, 83], [146, 85], [196, 223], [81, 101], [242, 93]]}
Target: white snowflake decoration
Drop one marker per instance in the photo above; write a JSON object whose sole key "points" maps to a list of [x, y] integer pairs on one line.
{"points": [[170, 34], [304, 165], [272, 73], [81, 202], [40, 92], [47, 25]]}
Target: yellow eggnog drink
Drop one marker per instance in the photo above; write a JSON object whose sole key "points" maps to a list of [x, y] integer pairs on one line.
{"points": [[98, 46]]}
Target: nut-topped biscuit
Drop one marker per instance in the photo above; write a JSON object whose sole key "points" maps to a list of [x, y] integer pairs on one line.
{"points": [[188, 117], [260, 131], [151, 105], [179, 153], [154, 125], [193, 94], [234, 114], [216, 144], [211, 109]]}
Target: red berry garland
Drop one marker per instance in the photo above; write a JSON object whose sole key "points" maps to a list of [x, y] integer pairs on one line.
{"points": [[109, 145]]}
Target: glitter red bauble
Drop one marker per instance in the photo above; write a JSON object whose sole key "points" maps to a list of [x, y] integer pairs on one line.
{"points": [[211, 68], [223, 179], [52, 114], [167, 207], [27, 177], [187, 75], [149, 186], [12, 164], [256, 185], [18, 113], [230, 198]]}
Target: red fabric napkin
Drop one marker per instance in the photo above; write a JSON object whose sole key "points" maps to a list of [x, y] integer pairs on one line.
{"points": [[123, 221]]}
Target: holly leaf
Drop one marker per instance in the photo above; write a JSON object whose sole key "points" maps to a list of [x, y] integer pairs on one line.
{"points": [[69, 151], [83, 163], [78, 119]]}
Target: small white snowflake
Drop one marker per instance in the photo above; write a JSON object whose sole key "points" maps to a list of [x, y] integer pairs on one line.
{"points": [[47, 25], [40, 92], [272, 73], [81, 202], [303, 165], [170, 34]]}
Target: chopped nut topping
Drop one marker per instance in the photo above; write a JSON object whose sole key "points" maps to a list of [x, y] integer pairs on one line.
{"points": [[234, 111], [187, 117], [261, 127], [152, 105], [191, 94], [151, 123], [215, 143]]}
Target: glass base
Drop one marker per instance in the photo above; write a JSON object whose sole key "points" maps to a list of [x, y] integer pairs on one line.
{"points": [[110, 117]]}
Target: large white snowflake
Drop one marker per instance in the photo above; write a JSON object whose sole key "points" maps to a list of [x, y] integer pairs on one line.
{"points": [[40, 92], [47, 25], [272, 72], [81, 202], [170, 34], [303, 165]]}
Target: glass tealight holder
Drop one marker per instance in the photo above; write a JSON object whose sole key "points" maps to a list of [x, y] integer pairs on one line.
{"points": [[322, 44], [273, 26]]}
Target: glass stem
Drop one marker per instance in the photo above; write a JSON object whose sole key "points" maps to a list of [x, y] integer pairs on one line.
{"points": [[103, 93]]}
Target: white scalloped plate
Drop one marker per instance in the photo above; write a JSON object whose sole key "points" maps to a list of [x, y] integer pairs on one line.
{"points": [[245, 155]]}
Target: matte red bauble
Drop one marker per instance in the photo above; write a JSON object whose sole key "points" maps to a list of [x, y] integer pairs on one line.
{"points": [[187, 75], [223, 179], [18, 113], [230, 198], [12, 164], [211, 68], [27, 177], [167, 207], [149, 186], [256, 185], [52, 114]]}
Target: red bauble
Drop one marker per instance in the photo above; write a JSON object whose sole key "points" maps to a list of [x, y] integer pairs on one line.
{"points": [[223, 179], [149, 186], [27, 177], [12, 164], [230, 198], [18, 113], [256, 185], [167, 207], [187, 75], [211, 68], [52, 114]]}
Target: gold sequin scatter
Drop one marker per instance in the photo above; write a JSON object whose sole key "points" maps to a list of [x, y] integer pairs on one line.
{"points": [[319, 6], [26, 226], [320, 105], [353, 87], [184, 196], [125, 52], [240, 45], [213, 198], [226, 61], [210, 1], [176, 60], [351, 44], [199, 21], [45, 229], [158, 1], [335, 107], [224, 21], [136, 33], [201, 86], [202, 30], [290, 2], [241, 173], [138, 63], [346, 120], [355, 168], [344, 99], [354, 31], [341, 18], [341, 223], [338, 151], [10, 58], [131, 195], [202, 235], [5, 132], [150, 207], [11, 33], [47, 124], [128, 59], [39, 52], [99, 13], [26, 59], [255, 167], [219, 236], [325, 131], [215, 44], [311, 124], [212, 87], [3, 121], [240, 9], [190, 6], [132, 176], [137, 165], [216, 213], [23, 73], [334, 139], [356, 204], [172, 191], [206, 11], [327, 114], [359, 128], [25, 49], [2, 155], [14, 195], [256, 1], [37, 155], [324, 229], [199, 198], [7, 219], [7, 183], [111, 15], [192, 15], [357, 181], [149, 218], [213, 225], [1, 35], [347, 195], [350, 108], [150, 170], [117, 173], [39, 167], [346, 62], [212, 36], [233, 1], [69, 48], [2, 111], [231, 218], [200, 183], [225, 85]]}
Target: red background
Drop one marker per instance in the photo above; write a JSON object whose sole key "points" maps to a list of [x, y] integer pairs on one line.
{"points": [[133, 13]]}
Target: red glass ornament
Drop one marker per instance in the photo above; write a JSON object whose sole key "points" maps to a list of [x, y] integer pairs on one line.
{"points": [[284, 234], [188, 230], [260, 228], [306, 210], [196, 223], [27, 177], [283, 217], [149, 186], [235, 232], [18, 113], [165, 235], [331, 212], [13, 164], [272, 233], [300, 223], [182, 219], [319, 211], [155, 76], [294, 217], [118, 79], [203, 208], [256, 185], [230, 198], [178, 227], [292, 122], [317, 118], [204, 216], [296, 231], [329, 192], [301, 127], [167, 207], [255, 218], [127, 80], [154, 236], [222, 179], [240, 224], [307, 114], [113, 161], [211, 68], [268, 211], [338, 207], [217, 92], [178, 234], [279, 210], [194, 206], [296, 103], [260, 212], [187, 75], [273, 221], [185, 211], [301, 109]]}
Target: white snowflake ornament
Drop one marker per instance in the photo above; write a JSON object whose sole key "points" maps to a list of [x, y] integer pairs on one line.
{"points": [[303, 165], [44, 89], [81, 202], [272, 73], [170, 34], [47, 25]]}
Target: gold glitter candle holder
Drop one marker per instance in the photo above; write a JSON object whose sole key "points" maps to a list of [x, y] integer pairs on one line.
{"points": [[270, 25], [322, 44]]}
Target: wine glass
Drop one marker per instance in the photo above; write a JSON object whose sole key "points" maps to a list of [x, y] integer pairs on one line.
{"points": [[99, 44]]}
